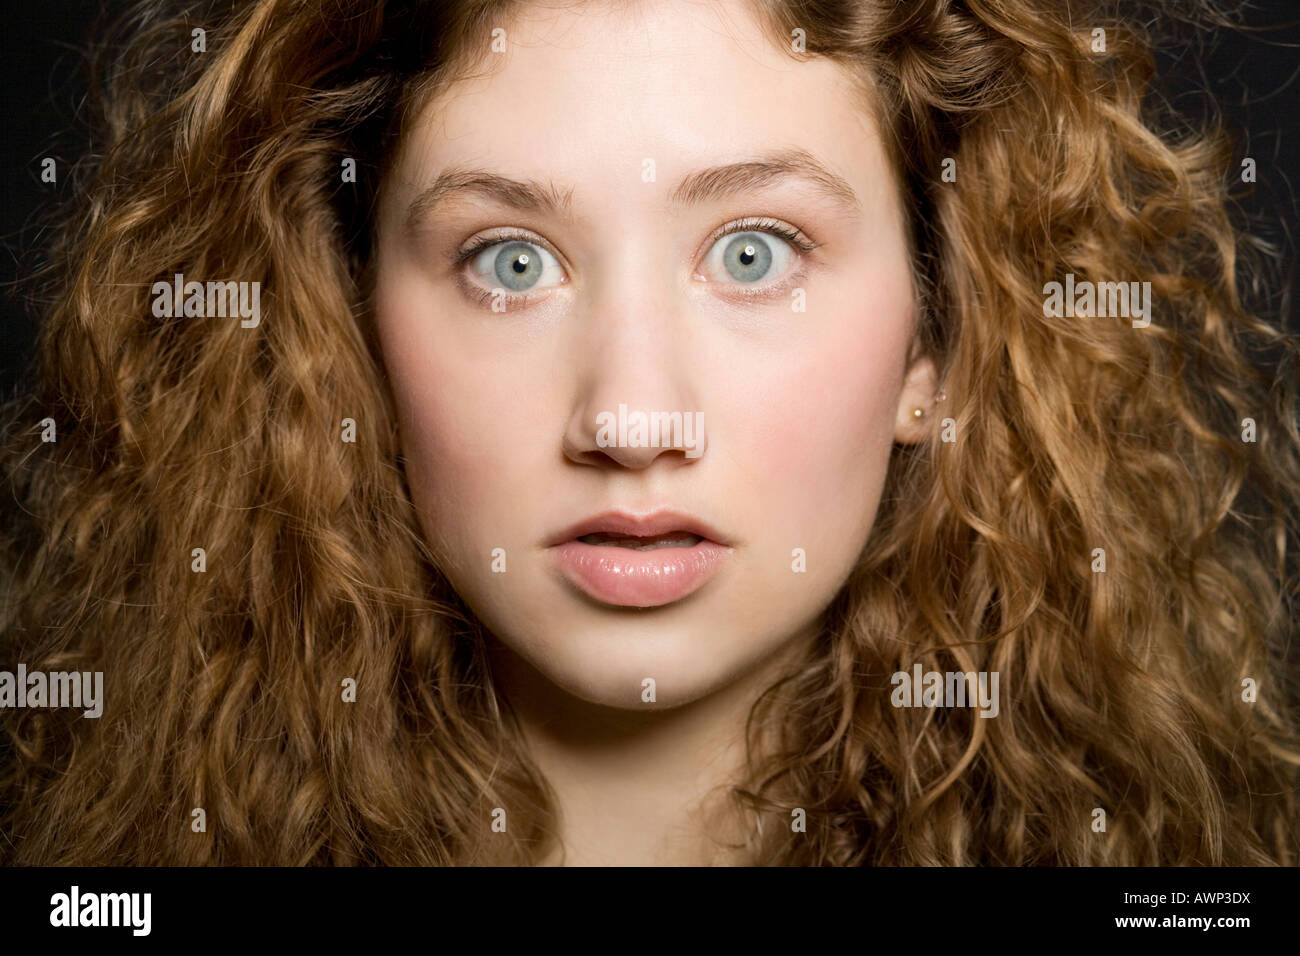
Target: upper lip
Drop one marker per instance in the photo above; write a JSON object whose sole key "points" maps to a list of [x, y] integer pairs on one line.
{"points": [[641, 526]]}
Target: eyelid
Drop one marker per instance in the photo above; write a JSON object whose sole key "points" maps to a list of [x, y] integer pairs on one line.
{"points": [[499, 235], [779, 290], [513, 300], [784, 230]]}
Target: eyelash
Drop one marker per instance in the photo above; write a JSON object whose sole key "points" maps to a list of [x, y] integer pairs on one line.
{"points": [[790, 234], [796, 237]]}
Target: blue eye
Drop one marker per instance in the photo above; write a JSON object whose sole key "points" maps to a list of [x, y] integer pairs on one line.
{"points": [[515, 266], [747, 257], [753, 252]]}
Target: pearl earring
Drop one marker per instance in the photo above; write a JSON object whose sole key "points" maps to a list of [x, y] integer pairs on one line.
{"points": [[918, 412]]}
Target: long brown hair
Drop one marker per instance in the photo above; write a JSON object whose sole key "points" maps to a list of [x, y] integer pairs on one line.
{"points": [[1122, 688]]}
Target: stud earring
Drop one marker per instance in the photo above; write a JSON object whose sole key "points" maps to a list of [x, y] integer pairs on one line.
{"points": [[918, 412]]}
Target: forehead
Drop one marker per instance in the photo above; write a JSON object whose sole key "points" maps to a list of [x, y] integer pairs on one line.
{"points": [[597, 94]]}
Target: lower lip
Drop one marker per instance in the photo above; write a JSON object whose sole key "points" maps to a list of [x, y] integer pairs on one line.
{"points": [[632, 578]]}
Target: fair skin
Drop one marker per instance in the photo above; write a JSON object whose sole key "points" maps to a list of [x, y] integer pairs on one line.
{"points": [[636, 303]]}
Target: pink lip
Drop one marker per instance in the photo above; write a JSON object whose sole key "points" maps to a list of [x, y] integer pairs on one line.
{"points": [[631, 578]]}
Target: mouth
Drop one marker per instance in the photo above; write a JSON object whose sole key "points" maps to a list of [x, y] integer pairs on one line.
{"points": [[649, 561], [673, 539], [658, 529]]}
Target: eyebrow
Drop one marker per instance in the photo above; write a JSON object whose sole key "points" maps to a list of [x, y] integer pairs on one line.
{"points": [[705, 185]]}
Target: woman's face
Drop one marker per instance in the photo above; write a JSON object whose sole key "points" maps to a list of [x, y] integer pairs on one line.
{"points": [[598, 158]]}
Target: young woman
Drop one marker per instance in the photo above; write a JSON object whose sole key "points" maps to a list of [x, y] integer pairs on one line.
{"points": [[651, 432]]}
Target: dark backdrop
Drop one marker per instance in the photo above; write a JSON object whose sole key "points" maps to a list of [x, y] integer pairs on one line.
{"points": [[1253, 77]]}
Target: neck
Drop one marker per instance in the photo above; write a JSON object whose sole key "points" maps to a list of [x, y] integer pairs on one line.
{"points": [[639, 787]]}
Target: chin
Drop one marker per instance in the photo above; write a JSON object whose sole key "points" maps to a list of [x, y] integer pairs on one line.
{"points": [[611, 669], [609, 665]]}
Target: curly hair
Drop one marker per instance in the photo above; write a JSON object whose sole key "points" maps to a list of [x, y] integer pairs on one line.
{"points": [[223, 687]]}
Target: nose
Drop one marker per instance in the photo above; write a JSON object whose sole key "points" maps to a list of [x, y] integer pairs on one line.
{"points": [[636, 404]]}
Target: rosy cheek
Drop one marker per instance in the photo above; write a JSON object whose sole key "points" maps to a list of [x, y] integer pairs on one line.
{"points": [[820, 432], [438, 441], [434, 395], [454, 452]]}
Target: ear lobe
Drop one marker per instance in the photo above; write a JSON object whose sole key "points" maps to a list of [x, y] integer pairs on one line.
{"points": [[920, 386]]}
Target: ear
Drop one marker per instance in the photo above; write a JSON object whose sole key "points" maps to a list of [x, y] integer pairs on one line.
{"points": [[920, 384]]}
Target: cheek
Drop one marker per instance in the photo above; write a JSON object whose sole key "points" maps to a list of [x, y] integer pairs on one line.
{"points": [[825, 427], [464, 436]]}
